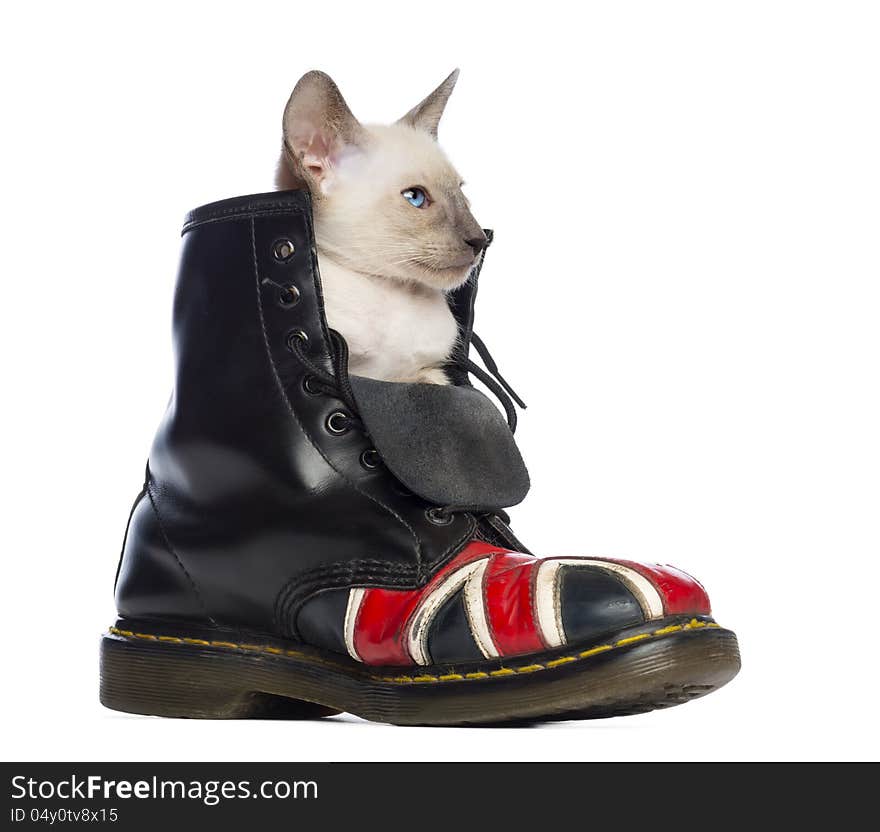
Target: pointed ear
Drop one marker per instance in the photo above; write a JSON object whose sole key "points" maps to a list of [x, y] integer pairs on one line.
{"points": [[426, 115], [318, 129]]}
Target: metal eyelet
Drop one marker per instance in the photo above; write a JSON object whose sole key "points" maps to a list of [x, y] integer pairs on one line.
{"points": [[288, 296], [437, 518], [296, 339], [370, 459], [283, 250], [333, 425], [307, 386]]}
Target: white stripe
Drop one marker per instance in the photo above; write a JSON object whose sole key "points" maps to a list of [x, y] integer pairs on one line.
{"points": [[547, 604], [355, 597], [417, 640], [475, 609], [549, 608]]}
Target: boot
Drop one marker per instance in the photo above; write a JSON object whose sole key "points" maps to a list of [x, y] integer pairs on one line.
{"points": [[307, 543]]}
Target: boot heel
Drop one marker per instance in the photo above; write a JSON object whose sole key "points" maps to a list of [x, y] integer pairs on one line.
{"points": [[150, 677]]}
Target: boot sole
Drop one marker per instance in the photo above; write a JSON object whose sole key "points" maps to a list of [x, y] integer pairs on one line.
{"points": [[163, 670]]}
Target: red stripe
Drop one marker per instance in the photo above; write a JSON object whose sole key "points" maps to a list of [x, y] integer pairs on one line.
{"points": [[508, 591], [382, 622], [378, 628]]}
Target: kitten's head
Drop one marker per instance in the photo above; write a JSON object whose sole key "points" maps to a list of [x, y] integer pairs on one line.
{"points": [[386, 199]]}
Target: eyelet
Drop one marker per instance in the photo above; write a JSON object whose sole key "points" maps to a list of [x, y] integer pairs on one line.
{"points": [[288, 296], [294, 336], [370, 459], [307, 386], [438, 519], [283, 250], [333, 425]]}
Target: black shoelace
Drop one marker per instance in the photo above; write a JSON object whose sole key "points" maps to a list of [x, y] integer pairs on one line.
{"points": [[338, 385], [493, 380], [335, 384]]}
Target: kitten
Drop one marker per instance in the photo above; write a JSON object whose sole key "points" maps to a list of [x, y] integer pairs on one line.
{"points": [[394, 231]]}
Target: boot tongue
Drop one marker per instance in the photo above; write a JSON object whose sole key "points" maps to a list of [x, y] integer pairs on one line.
{"points": [[445, 443]]}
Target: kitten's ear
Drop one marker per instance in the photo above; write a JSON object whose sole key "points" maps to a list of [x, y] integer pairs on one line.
{"points": [[318, 128], [426, 115]]}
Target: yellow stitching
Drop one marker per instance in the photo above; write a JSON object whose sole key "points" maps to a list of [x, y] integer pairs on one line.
{"points": [[631, 639], [672, 628], [593, 650], [227, 645], [693, 624]]}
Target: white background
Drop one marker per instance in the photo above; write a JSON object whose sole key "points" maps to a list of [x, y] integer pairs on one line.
{"points": [[684, 286]]}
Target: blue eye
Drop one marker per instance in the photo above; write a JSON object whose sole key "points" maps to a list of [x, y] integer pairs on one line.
{"points": [[415, 197]]}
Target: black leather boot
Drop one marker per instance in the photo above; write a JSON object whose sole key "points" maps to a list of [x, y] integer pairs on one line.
{"points": [[307, 542]]}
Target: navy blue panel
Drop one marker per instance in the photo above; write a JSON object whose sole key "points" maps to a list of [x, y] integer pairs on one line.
{"points": [[595, 602], [321, 620], [450, 638]]}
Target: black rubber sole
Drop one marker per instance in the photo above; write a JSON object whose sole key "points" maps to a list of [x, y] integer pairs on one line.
{"points": [[154, 668]]}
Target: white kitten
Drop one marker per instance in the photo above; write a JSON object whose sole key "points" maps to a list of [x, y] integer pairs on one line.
{"points": [[393, 229]]}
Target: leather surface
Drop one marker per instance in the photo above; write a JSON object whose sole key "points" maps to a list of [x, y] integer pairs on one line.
{"points": [[448, 444], [450, 639], [511, 613], [462, 302], [256, 503], [155, 578], [593, 602], [384, 614], [680, 592], [321, 620]]}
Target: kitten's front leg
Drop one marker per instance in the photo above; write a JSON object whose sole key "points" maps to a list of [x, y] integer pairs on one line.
{"points": [[431, 375]]}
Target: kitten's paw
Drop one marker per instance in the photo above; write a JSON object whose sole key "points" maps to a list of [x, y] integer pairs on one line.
{"points": [[432, 375]]}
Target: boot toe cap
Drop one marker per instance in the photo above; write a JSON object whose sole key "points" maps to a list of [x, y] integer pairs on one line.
{"points": [[493, 603]]}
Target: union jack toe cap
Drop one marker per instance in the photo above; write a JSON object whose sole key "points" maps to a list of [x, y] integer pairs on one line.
{"points": [[489, 603]]}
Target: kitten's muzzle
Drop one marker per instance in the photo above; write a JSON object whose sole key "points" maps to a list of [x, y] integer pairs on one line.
{"points": [[478, 244]]}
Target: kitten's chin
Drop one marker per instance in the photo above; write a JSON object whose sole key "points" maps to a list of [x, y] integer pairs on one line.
{"points": [[444, 279]]}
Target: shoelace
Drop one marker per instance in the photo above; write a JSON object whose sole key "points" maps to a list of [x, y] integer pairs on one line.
{"points": [[335, 384], [338, 385], [495, 382]]}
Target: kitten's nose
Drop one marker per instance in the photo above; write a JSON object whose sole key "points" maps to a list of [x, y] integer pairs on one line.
{"points": [[477, 243]]}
